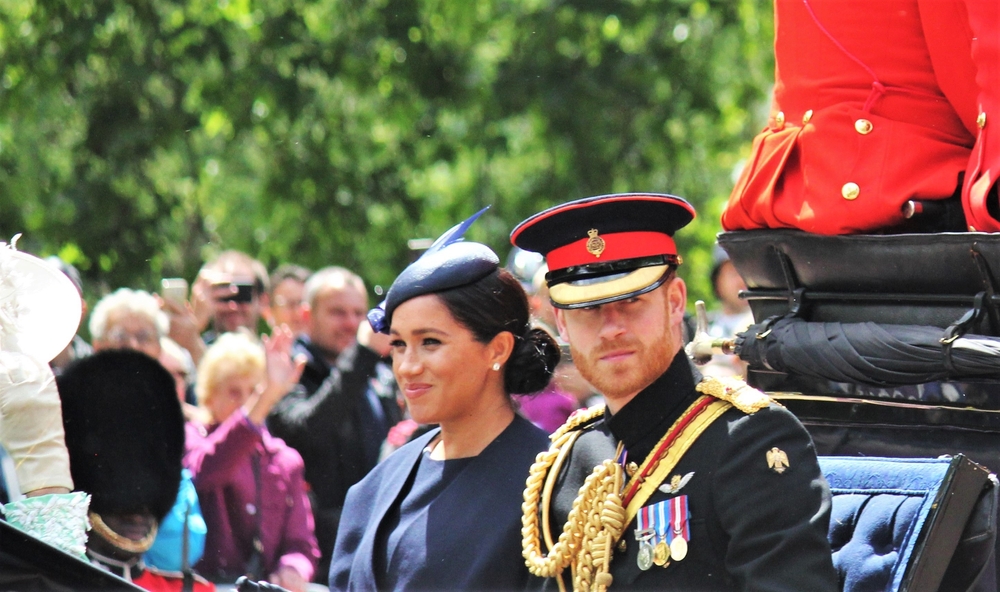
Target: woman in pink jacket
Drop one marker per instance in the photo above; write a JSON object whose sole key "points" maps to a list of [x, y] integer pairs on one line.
{"points": [[251, 485]]}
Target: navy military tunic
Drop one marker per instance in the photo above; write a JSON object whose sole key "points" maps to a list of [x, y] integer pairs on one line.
{"points": [[751, 527], [469, 528]]}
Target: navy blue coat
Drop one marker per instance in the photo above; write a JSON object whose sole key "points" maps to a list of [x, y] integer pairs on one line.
{"points": [[473, 527]]}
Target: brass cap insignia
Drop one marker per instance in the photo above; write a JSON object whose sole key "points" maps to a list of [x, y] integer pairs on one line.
{"points": [[777, 460], [595, 244]]}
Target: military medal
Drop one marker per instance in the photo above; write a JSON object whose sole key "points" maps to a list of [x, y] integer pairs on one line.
{"points": [[661, 554], [646, 553], [679, 528], [655, 526], [678, 548], [644, 535]]}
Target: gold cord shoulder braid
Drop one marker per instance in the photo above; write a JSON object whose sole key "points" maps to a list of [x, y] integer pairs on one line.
{"points": [[598, 516], [736, 392], [594, 524]]}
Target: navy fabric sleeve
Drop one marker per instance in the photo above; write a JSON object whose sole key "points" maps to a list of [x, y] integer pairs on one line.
{"points": [[776, 520]]}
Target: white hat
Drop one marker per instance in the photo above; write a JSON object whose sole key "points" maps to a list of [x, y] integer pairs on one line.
{"points": [[40, 308]]}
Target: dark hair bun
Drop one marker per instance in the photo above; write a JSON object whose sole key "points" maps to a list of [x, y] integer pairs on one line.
{"points": [[532, 362]]}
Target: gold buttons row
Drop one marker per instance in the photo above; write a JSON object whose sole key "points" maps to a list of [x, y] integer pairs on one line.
{"points": [[862, 126], [779, 119], [851, 191]]}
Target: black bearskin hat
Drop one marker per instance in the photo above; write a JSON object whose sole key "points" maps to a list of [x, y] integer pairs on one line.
{"points": [[124, 431]]}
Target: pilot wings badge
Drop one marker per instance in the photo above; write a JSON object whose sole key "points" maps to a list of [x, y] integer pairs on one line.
{"points": [[777, 460], [676, 483]]}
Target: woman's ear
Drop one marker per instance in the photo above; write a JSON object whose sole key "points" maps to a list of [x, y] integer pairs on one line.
{"points": [[501, 347]]}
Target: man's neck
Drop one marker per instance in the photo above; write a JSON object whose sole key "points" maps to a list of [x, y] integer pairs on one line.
{"points": [[327, 355], [615, 405]]}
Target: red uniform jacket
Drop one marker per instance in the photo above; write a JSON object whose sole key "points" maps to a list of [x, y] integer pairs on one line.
{"points": [[163, 581], [874, 105], [979, 194]]}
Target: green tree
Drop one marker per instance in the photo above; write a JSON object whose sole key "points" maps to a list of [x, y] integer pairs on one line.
{"points": [[136, 138]]}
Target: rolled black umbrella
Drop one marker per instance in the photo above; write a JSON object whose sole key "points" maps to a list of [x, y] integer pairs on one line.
{"points": [[867, 353]]}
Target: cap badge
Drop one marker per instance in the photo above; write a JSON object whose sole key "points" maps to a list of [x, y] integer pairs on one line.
{"points": [[595, 244], [777, 460]]}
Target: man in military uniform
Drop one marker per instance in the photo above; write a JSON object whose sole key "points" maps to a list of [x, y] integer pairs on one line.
{"points": [[680, 483]]}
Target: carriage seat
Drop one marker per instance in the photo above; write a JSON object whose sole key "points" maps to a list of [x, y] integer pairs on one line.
{"points": [[896, 523]]}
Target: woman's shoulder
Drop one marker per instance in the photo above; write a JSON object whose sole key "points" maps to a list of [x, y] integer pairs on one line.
{"points": [[281, 453], [405, 456], [517, 445], [407, 452], [528, 435]]}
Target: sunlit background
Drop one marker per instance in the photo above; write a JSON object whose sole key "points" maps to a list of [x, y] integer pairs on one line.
{"points": [[138, 138]]}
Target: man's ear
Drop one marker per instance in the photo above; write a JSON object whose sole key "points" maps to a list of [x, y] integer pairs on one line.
{"points": [[677, 299], [561, 324]]}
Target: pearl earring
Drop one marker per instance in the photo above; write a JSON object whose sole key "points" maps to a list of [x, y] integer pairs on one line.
{"points": [[496, 366]]}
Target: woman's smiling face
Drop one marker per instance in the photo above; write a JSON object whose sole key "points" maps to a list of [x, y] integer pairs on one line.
{"points": [[441, 369], [232, 393]]}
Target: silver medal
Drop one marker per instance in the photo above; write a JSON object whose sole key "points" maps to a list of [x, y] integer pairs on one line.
{"points": [[646, 552]]}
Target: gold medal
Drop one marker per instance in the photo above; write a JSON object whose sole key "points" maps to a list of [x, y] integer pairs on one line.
{"points": [[661, 554], [645, 558], [678, 548]]}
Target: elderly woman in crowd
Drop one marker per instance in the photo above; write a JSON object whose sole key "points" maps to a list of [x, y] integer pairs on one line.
{"points": [[132, 319], [251, 484], [129, 319], [444, 512]]}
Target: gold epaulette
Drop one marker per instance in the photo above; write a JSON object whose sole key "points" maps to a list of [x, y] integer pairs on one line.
{"points": [[577, 419], [735, 392]]}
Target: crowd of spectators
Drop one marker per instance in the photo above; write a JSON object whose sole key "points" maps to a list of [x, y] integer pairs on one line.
{"points": [[288, 400]]}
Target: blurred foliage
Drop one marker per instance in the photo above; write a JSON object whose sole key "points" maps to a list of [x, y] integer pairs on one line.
{"points": [[138, 138]]}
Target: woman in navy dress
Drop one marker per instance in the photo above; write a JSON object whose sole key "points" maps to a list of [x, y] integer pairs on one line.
{"points": [[444, 511]]}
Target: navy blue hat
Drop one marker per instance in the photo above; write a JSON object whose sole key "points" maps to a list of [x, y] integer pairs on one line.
{"points": [[449, 263], [606, 248]]}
